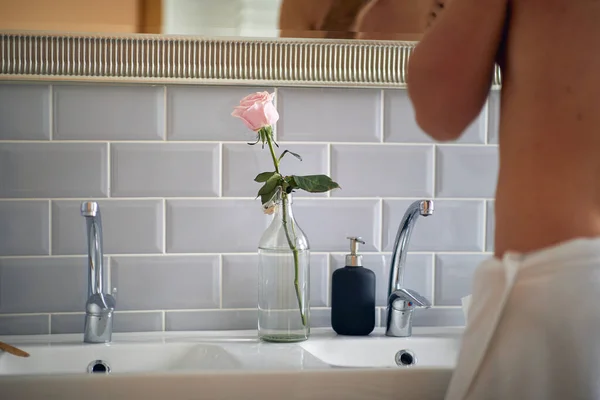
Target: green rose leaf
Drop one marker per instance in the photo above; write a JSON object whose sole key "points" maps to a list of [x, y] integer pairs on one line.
{"points": [[288, 184], [263, 177], [265, 198], [290, 152], [314, 183], [270, 185]]}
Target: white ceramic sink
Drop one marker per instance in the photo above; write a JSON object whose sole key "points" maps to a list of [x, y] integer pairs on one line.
{"points": [[120, 358], [378, 351], [230, 365]]}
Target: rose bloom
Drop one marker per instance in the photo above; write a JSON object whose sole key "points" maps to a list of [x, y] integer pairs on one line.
{"points": [[257, 110]]}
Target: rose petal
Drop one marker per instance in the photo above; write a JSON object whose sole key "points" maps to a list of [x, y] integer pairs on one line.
{"points": [[254, 98], [238, 112], [270, 113]]}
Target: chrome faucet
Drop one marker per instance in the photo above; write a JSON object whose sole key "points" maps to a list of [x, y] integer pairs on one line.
{"points": [[402, 301], [100, 304]]}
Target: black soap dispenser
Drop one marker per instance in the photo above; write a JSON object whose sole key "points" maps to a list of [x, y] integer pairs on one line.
{"points": [[353, 295]]}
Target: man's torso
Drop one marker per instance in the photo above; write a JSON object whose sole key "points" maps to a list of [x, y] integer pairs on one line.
{"points": [[549, 182]]}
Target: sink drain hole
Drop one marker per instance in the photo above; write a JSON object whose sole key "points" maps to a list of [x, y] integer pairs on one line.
{"points": [[405, 358], [98, 367]]}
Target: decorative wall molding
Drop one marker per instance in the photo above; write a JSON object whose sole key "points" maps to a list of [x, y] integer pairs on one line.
{"points": [[200, 60]]}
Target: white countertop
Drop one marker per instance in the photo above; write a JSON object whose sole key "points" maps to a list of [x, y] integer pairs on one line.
{"points": [[270, 371]]}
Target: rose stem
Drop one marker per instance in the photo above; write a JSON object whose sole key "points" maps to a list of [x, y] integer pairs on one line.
{"points": [[285, 228]]}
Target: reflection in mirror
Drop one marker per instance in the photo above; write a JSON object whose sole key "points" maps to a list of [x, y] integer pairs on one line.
{"points": [[353, 19], [333, 19]]}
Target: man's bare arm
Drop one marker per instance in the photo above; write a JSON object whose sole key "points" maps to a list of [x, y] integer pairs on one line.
{"points": [[451, 69]]}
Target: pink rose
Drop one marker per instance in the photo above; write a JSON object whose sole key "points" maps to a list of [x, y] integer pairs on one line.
{"points": [[262, 97], [257, 110]]}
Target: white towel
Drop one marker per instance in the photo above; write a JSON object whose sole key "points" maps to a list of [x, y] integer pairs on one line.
{"points": [[533, 328]]}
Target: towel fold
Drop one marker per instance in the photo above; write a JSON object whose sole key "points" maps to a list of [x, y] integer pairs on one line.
{"points": [[533, 327]]}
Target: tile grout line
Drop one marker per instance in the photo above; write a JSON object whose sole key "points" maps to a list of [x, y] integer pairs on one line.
{"points": [[164, 227], [196, 198], [50, 112], [382, 117], [329, 162], [240, 142], [434, 172], [220, 281], [221, 174], [381, 223], [165, 113], [109, 285], [433, 278], [108, 175], [25, 314], [49, 227], [172, 255], [112, 289], [485, 238], [186, 310], [329, 281], [276, 104], [148, 311], [486, 139]]}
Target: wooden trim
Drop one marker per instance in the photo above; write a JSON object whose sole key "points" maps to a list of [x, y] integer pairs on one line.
{"points": [[150, 16]]}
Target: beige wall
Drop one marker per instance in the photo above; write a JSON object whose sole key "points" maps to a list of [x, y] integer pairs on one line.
{"points": [[104, 16]]}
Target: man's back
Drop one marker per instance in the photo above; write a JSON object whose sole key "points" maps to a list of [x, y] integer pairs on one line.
{"points": [[549, 186], [537, 297]]}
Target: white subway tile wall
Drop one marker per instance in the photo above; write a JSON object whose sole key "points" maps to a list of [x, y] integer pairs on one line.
{"points": [[173, 176], [129, 227], [466, 171], [491, 222], [82, 112], [493, 117], [53, 170], [240, 163]]}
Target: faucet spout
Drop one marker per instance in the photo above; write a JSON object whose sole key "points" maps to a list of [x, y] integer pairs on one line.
{"points": [[100, 304], [398, 265], [401, 301], [93, 221]]}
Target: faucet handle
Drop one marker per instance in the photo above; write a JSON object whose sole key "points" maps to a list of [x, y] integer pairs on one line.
{"points": [[404, 299]]}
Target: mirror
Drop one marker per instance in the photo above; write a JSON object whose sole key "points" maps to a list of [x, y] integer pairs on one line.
{"points": [[333, 19]]}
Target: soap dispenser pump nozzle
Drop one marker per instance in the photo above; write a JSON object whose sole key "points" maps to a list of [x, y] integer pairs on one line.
{"points": [[354, 259]]}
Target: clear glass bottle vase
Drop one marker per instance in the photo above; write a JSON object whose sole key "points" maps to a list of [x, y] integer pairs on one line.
{"points": [[283, 278]]}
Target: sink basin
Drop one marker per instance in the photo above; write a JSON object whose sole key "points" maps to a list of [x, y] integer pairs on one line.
{"points": [[423, 351], [230, 365], [120, 358]]}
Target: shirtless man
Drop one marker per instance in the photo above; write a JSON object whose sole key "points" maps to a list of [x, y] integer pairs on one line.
{"points": [[354, 19], [537, 297]]}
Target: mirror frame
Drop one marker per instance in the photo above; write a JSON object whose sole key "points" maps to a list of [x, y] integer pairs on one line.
{"points": [[174, 59]]}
